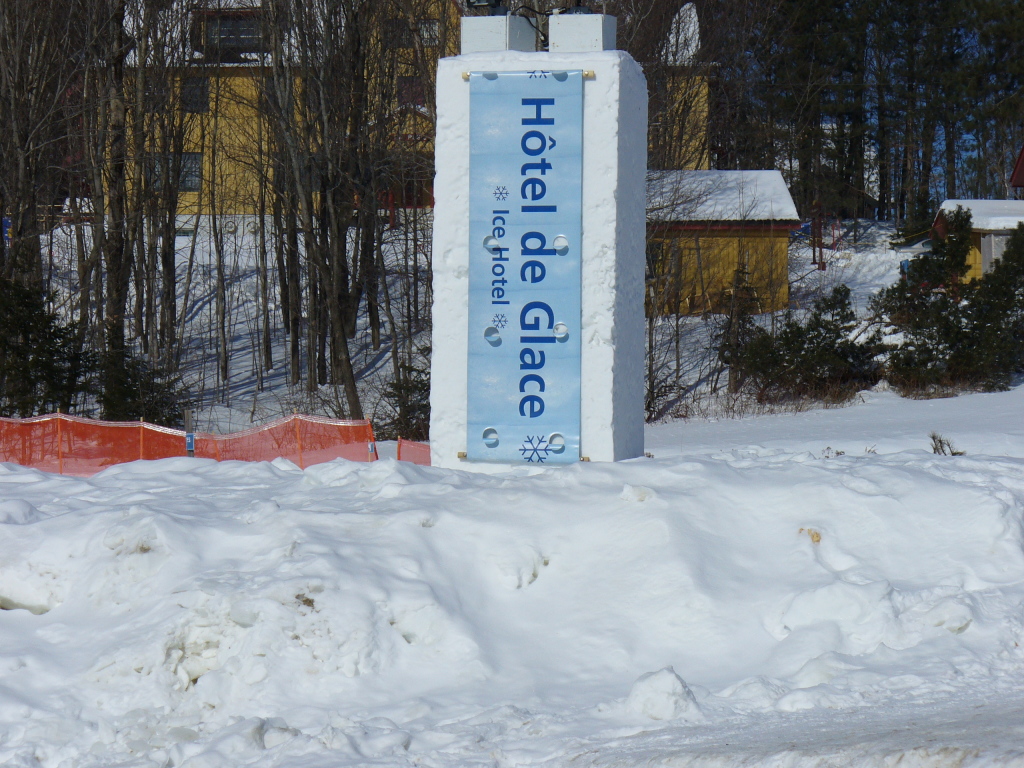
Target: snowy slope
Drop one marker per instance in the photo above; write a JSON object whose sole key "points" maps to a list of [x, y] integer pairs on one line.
{"points": [[823, 608], [862, 259]]}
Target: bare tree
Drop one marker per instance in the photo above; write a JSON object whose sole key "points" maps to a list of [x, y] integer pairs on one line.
{"points": [[38, 44]]}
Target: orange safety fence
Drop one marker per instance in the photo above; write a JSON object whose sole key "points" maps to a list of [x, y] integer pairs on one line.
{"points": [[416, 453], [72, 445]]}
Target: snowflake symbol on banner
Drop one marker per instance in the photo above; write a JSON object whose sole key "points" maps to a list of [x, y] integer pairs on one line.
{"points": [[501, 193], [535, 449], [499, 321]]}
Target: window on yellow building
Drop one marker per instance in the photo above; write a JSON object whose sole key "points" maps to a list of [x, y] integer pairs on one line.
{"points": [[155, 94], [228, 35], [189, 167], [191, 176], [411, 92], [239, 33], [399, 33], [195, 95], [430, 32]]}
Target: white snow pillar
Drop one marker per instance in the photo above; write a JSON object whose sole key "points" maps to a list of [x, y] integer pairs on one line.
{"points": [[612, 252], [484, 34]]}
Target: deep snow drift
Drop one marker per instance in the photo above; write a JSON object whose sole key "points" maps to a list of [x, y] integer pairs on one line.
{"points": [[810, 589]]}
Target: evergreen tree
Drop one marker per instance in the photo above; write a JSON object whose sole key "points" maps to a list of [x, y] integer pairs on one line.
{"points": [[42, 369], [957, 335], [927, 308], [130, 389], [812, 358]]}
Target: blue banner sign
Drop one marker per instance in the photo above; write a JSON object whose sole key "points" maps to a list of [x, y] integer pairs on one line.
{"points": [[525, 186]]}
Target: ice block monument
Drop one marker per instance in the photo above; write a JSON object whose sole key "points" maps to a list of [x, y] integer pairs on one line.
{"points": [[538, 247]]}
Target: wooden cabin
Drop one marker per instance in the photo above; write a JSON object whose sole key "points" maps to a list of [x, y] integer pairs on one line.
{"points": [[992, 221], [715, 238]]}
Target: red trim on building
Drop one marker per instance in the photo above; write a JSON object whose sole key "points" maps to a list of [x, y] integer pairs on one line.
{"points": [[1017, 178], [726, 226]]}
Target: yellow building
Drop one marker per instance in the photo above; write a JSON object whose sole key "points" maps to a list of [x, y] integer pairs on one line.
{"points": [[678, 95], [223, 146], [217, 141], [992, 221], [716, 238], [699, 260]]}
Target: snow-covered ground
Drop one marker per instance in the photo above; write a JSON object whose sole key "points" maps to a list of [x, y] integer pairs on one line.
{"points": [[251, 396], [831, 592], [863, 259]]}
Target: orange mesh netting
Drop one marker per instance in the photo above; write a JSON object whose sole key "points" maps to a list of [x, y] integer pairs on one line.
{"points": [[72, 445], [304, 440], [416, 453]]}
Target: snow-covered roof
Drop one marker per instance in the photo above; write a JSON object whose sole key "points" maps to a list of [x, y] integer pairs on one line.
{"points": [[989, 215], [229, 5], [719, 196]]}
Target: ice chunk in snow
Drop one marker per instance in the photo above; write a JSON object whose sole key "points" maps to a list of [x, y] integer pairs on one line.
{"points": [[663, 695]]}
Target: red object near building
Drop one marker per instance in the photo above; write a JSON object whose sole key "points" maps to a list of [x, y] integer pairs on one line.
{"points": [[1017, 177]]}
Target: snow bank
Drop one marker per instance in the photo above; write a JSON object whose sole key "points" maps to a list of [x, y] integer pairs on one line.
{"points": [[190, 613]]}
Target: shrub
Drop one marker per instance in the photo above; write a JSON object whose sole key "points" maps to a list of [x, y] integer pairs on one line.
{"points": [[956, 334], [130, 389], [942, 446], [407, 399], [42, 367], [810, 358]]}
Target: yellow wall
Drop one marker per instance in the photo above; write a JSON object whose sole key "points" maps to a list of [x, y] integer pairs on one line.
{"points": [[974, 262], [693, 272], [974, 258], [232, 138], [677, 136], [232, 135]]}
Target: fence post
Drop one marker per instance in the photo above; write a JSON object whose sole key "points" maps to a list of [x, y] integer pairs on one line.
{"points": [[60, 443], [190, 437], [298, 439], [142, 437]]}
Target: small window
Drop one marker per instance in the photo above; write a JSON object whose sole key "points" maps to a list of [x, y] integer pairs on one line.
{"points": [[195, 95], [191, 176], [156, 166], [430, 32], [155, 95], [189, 170], [399, 33], [411, 92], [238, 33]]}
